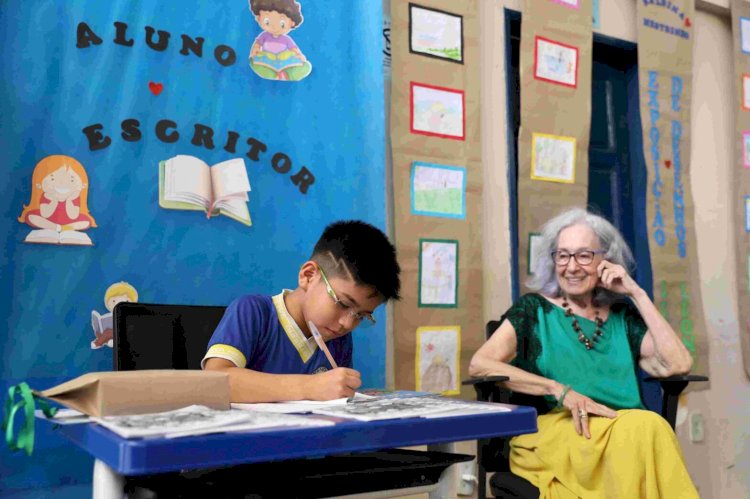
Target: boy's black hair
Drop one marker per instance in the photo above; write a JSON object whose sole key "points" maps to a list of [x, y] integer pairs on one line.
{"points": [[364, 252], [290, 8]]}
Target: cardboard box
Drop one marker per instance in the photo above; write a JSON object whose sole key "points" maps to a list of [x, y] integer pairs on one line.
{"points": [[141, 392]]}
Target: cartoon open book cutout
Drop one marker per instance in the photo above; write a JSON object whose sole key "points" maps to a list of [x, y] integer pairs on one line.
{"points": [[188, 183]]}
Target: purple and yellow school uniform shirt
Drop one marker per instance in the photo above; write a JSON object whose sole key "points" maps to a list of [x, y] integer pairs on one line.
{"points": [[258, 333]]}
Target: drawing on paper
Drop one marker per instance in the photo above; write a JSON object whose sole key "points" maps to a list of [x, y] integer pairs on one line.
{"points": [[535, 238], [199, 420], [745, 34], [438, 190], [437, 111], [425, 406], [435, 33], [746, 91], [553, 158], [747, 213], [438, 273], [555, 62], [746, 149], [438, 354]]}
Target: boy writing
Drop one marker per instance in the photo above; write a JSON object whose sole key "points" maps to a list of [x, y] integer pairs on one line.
{"points": [[265, 344]]}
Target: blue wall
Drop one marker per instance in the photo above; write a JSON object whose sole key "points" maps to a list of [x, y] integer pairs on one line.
{"points": [[332, 123]]}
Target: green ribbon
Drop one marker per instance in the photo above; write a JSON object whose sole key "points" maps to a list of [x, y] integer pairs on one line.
{"points": [[25, 440]]}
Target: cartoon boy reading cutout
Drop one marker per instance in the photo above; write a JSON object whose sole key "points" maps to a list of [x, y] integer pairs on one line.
{"points": [[102, 323], [58, 210], [274, 55]]}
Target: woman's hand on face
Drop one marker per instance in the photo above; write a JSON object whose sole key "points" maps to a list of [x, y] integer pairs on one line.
{"points": [[581, 408], [615, 278]]}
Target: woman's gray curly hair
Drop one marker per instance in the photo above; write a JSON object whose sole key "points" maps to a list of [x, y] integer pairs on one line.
{"points": [[544, 278]]}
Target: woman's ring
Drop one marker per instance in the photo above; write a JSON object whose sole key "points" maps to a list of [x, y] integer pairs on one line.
{"points": [[582, 414]]}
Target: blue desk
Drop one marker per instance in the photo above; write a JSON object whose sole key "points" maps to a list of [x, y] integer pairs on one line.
{"points": [[117, 457]]}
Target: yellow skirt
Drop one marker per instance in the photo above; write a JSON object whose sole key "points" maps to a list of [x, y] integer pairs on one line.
{"points": [[635, 455]]}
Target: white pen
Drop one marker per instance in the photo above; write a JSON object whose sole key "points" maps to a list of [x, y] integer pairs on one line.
{"points": [[319, 340]]}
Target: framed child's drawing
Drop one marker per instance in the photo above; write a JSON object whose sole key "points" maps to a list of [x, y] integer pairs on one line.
{"points": [[437, 363], [437, 111], [438, 273], [438, 190], [746, 92], [436, 33], [745, 34], [553, 158], [555, 62], [534, 239], [746, 149]]}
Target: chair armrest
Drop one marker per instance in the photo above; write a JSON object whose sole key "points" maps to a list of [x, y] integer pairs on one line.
{"points": [[484, 379], [486, 386], [672, 387], [684, 377]]}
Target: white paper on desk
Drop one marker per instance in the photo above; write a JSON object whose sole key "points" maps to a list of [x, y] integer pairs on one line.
{"points": [[300, 406], [64, 416], [469, 409], [408, 407], [260, 421], [384, 408], [194, 419]]}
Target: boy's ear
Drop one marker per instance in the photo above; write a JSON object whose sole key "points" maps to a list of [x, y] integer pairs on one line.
{"points": [[306, 274]]}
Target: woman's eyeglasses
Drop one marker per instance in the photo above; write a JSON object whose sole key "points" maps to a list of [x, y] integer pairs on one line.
{"points": [[582, 257], [363, 318]]}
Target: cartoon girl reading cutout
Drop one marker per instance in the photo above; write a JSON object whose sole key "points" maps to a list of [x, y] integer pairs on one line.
{"points": [[274, 55], [102, 323], [58, 209]]}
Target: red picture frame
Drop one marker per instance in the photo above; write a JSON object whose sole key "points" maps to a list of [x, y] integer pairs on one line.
{"points": [[423, 116], [547, 70]]}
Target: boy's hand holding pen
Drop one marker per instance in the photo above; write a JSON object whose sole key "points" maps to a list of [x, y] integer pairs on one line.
{"points": [[337, 383]]}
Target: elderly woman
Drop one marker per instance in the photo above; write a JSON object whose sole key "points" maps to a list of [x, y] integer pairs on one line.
{"points": [[577, 341]]}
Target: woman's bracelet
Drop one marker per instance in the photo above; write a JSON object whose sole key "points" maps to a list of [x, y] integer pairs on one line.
{"points": [[562, 396]]}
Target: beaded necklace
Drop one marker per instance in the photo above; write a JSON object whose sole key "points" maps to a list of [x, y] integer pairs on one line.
{"points": [[598, 332]]}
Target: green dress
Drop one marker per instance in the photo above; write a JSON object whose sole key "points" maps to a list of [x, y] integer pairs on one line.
{"points": [[548, 346]]}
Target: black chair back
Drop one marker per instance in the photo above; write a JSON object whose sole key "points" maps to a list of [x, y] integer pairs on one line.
{"points": [[160, 336]]}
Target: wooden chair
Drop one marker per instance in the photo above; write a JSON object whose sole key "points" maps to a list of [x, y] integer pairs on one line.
{"points": [[493, 454]]}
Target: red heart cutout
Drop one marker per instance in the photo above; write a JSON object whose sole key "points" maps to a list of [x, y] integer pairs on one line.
{"points": [[155, 88], [687, 22], [668, 163]]}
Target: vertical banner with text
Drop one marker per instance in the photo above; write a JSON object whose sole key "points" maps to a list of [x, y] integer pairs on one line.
{"points": [[665, 62]]}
